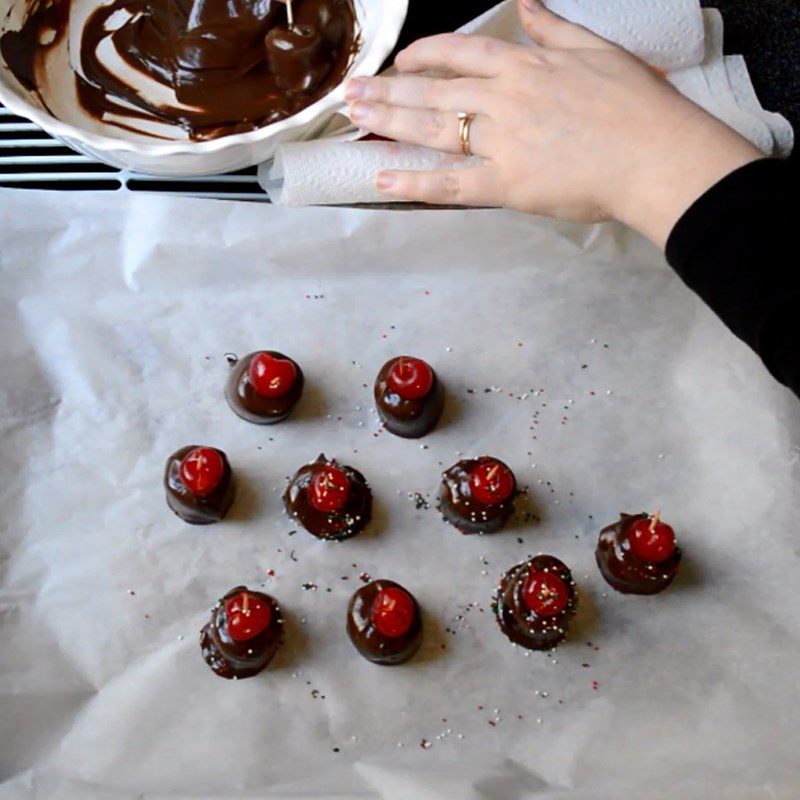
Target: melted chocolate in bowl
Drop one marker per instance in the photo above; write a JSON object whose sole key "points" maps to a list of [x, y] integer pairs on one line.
{"points": [[203, 68]]}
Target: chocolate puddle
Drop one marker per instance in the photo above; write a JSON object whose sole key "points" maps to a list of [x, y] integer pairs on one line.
{"points": [[210, 67]]}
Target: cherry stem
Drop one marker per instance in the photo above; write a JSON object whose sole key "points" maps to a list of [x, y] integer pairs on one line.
{"points": [[655, 520], [492, 472], [245, 603], [289, 13]]}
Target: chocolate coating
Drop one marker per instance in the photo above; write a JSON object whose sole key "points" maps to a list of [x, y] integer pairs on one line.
{"points": [[464, 511], [235, 660], [210, 67], [623, 569], [333, 525], [192, 508], [410, 419], [247, 403], [523, 626], [368, 640]]}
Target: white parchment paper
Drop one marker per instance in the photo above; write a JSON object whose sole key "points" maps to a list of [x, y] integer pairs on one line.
{"points": [[610, 388]]}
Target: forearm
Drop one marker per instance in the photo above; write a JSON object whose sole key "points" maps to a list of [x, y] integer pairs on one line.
{"points": [[686, 154]]}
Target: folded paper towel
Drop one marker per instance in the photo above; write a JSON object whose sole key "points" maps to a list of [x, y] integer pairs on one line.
{"points": [[674, 35]]}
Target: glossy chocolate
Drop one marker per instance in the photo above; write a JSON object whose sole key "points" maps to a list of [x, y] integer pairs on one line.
{"points": [[217, 66], [368, 640], [623, 569], [523, 626], [410, 419], [236, 660], [192, 508], [247, 403], [334, 525], [464, 511]]}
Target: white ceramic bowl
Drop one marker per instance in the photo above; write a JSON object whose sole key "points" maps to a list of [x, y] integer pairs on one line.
{"points": [[380, 22]]}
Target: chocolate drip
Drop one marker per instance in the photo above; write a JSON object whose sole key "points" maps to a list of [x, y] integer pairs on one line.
{"points": [[245, 401], [523, 626], [331, 525], [232, 659], [464, 511], [368, 640], [623, 569], [231, 65], [410, 419], [192, 508]]}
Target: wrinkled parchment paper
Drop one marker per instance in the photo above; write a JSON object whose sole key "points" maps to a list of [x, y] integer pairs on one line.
{"points": [[610, 388]]}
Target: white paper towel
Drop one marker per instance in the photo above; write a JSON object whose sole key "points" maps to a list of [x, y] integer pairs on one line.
{"points": [[674, 35], [325, 173], [115, 314]]}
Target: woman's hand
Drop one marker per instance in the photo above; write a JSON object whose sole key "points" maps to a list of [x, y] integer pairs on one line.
{"points": [[577, 128]]}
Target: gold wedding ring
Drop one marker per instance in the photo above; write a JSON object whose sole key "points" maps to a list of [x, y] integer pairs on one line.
{"points": [[464, 125]]}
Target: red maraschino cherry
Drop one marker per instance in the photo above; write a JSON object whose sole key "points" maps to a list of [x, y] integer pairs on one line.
{"points": [[270, 376], [652, 540], [247, 616], [393, 611], [201, 470], [329, 489], [411, 378], [491, 482], [545, 593]]}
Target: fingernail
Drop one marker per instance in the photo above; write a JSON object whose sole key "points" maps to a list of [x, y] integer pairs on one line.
{"points": [[385, 181], [532, 5], [360, 112], [355, 89]]}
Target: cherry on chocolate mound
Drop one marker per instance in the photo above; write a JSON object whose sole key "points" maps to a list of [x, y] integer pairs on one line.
{"points": [[384, 623], [535, 602], [264, 387], [330, 500], [199, 484], [477, 495], [409, 397], [245, 632], [638, 554]]}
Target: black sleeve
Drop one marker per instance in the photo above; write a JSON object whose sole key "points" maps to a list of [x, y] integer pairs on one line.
{"points": [[737, 247]]}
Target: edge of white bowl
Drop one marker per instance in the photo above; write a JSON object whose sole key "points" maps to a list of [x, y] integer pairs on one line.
{"points": [[397, 11]]}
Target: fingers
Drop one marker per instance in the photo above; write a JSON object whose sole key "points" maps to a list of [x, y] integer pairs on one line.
{"points": [[550, 30], [469, 56], [411, 91], [477, 186], [436, 129]]}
